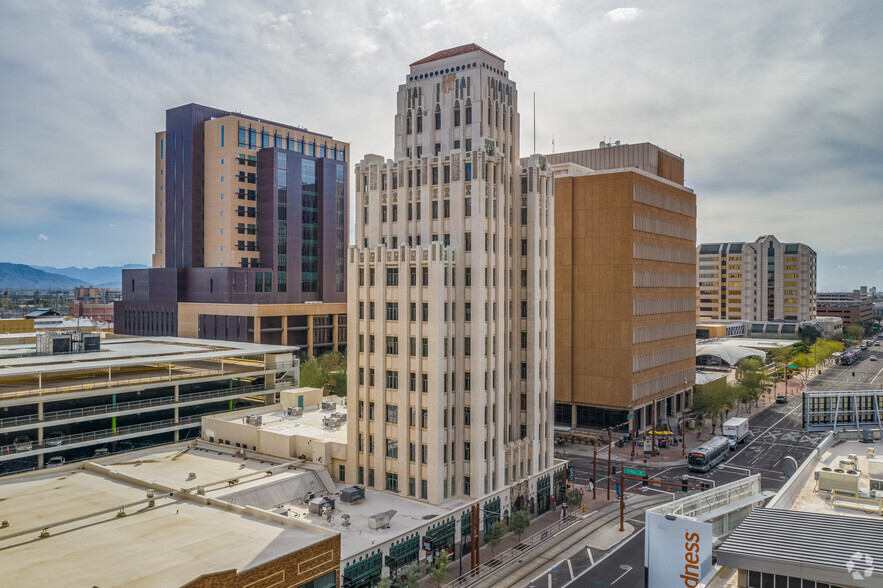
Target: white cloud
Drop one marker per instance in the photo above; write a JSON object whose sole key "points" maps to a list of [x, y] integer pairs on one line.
{"points": [[431, 25], [623, 14], [42, 237]]}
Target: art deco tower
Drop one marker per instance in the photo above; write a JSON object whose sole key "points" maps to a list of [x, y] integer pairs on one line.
{"points": [[450, 292]]}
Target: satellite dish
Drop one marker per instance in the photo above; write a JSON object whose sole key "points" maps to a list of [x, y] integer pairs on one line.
{"points": [[789, 466]]}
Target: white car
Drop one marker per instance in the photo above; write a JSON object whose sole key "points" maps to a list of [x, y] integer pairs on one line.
{"points": [[55, 462], [22, 443], [873, 358], [54, 439]]}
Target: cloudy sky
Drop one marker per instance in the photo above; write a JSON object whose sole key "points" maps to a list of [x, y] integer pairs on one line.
{"points": [[777, 107]]}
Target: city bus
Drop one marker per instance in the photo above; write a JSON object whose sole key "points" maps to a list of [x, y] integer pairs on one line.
{"points": [[709, 454], [850, 357]]}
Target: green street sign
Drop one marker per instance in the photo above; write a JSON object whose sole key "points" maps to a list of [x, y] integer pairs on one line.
{"points": [[792, 367], [632, 472], [631, 416], [849, 339]]}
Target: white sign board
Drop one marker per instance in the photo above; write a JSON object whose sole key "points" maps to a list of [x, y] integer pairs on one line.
{"points": [[677, 553]]}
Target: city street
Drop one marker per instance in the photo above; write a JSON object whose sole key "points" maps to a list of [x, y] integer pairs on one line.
{"points": [[774, 433]]}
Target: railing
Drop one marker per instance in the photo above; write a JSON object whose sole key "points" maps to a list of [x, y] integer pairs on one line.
{"points": [[110, 434], [123, 406], [513, 553], [188, 374]]}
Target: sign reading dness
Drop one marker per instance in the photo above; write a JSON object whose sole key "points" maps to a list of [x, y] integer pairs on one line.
{"points": [[677, 551]]}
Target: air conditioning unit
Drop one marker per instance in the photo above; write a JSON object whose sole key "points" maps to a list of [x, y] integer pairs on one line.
{"points": [[380, 520], [841, 480], [317, 505], [254, 419], [294, 411], [352, 494], [328, 405]]}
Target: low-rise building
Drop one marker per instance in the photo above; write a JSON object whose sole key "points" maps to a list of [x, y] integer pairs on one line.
{"points": [[168, 516], [851, 313], [129, 392]]}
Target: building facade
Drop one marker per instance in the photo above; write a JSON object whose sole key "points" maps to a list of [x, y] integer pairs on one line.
{"points": [[251, 227], [450, 304], [625, 238], [854, 313], [761, 281]]}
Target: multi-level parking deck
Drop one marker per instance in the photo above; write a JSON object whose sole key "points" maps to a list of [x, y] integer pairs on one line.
{"points": [[132, 392]]}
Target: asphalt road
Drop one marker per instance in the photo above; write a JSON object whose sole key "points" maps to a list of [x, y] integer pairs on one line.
{"points": [[773, 434]]}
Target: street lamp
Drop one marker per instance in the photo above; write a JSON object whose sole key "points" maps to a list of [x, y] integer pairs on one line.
{"points": [[684, 421]]}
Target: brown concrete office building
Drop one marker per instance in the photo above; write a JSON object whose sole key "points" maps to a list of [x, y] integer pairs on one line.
{"points": [[251, 234], [852, 313], [625, 266]]}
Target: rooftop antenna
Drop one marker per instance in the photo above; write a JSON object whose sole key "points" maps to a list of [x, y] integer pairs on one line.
{"points": [[534, 122], [553, 143]]}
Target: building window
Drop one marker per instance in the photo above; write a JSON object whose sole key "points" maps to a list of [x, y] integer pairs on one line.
{"points": [[392, 380], [392, 482], [392, 345], [425, 312], [424, 347], [392, 276]]}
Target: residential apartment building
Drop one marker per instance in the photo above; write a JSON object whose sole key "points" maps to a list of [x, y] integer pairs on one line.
{"points": [[251, 234], [625, 328], [761, 281], [450, 304]]}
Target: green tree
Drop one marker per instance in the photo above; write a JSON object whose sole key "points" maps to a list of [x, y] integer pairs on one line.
{"points": [[332, 361], [713, 401], [338, 381], [411, 577], [384, 583], [573, 498], [752, 377], [854, 332], [439, 567], [495, 535], [312, 375], [519, 523]]}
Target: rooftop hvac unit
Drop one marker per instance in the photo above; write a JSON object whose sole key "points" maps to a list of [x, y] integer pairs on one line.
{"points": [[294, 411], [875, 468], [339, 415], [317, 505], [380, 520], [332, 422], [352, 494], [840, 480], [328, 405], [254, 419], [848, 465], [877, 484]]}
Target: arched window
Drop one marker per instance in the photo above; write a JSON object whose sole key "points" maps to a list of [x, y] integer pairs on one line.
{"points": [[419, 120], [457, 113], [409, 123], [468, 111], [437, 117]]}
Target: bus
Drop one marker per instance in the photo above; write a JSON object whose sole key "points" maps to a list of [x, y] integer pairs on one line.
{"points": [[709, 454], [850, 357]]}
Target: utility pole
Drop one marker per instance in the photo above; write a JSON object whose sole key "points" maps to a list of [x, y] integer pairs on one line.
{"points": [[684, 421], [621, 501], [653, 432], [609, 459], [594, 470]]}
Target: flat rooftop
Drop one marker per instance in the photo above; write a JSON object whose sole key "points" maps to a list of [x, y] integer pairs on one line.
{"points": [[754, 343], [811, 500], [310, 425], [169, 544], [130, 361]]}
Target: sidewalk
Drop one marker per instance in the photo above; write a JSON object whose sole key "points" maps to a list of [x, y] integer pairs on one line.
{"points": [[510, 540]]}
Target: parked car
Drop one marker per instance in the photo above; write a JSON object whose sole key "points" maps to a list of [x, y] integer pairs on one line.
{"points": [[101, 452], [22, 443], [54, 439], [781, 399], [873, 358], [55, 462]]}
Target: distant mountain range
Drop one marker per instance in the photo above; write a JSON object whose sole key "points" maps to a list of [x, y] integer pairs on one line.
{"points": [[16, 275]]}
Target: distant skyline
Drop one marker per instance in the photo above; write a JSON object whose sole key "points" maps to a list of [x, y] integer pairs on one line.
{"points": [[776, 107]]}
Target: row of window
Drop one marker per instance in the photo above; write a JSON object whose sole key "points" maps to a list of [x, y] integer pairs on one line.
{"points": [[248, 138]]}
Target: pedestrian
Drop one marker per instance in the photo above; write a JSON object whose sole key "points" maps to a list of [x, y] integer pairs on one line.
{"points": [[591, 484]]}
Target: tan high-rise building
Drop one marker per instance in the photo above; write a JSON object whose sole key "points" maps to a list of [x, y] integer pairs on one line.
{"points": [[450, 280], [761, 281], [625, 328]]}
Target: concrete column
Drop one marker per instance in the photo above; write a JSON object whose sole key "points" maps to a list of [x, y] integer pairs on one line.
{"points": [[177, 396], [285, 330], [257, 329], [334, 332], [309, 336], [40, 433]]}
